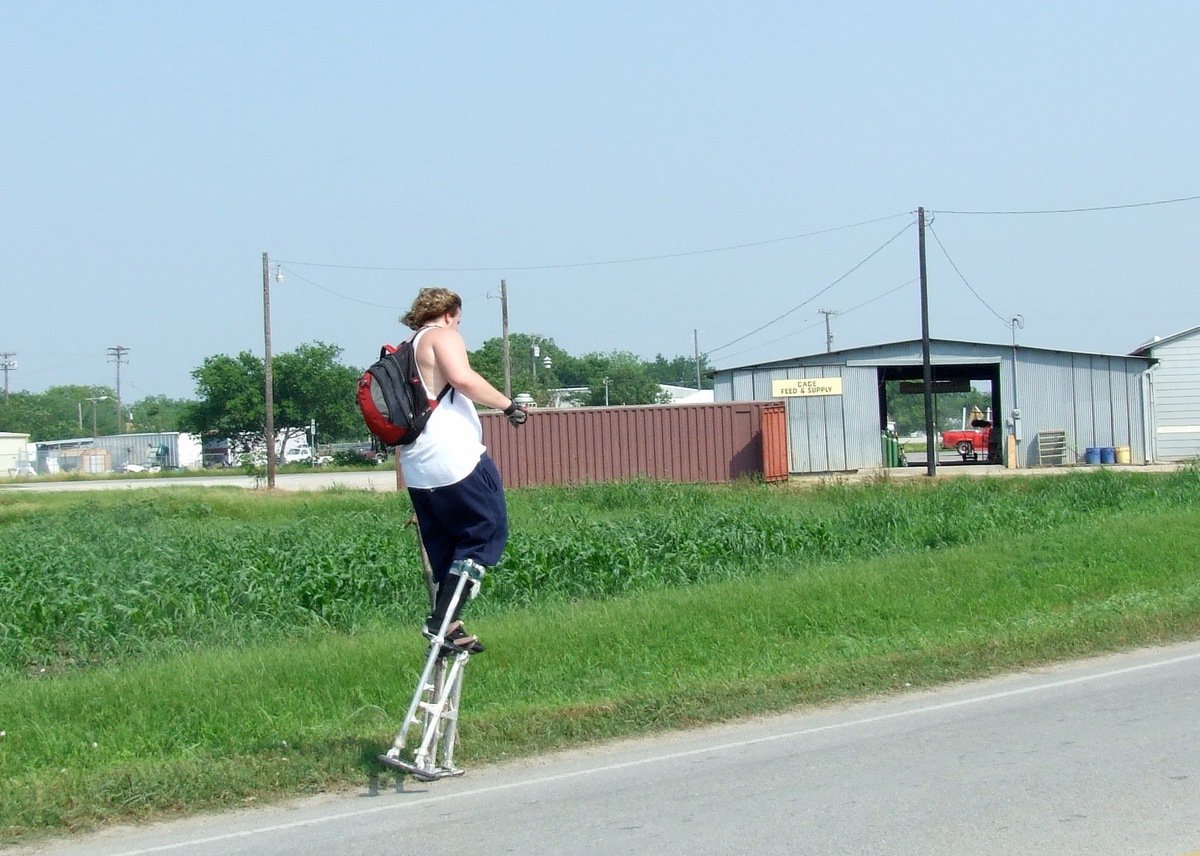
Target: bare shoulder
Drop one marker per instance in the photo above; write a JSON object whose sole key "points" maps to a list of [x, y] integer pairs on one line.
{"points": [[445, 341]]}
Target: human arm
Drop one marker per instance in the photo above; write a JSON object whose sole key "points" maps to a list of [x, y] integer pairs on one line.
{"points": [[450, 356]]}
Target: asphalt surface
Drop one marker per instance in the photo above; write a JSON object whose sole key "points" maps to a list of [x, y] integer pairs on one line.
{"points": [[1099, 756]]}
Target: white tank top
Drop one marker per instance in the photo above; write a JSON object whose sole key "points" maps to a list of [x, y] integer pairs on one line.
{"points": [[451, 445]]}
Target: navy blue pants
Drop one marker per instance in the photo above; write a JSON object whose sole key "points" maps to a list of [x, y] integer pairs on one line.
{"points": [[465, 520]]}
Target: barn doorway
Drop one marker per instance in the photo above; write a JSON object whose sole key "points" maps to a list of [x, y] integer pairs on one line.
{"points": [[966, 406]]}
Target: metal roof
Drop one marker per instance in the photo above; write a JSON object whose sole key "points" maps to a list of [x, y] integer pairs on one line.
{"points": [[1144, 350], [1006, 346]]}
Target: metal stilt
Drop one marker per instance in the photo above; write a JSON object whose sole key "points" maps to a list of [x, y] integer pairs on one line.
{"points": [[435, 704]]}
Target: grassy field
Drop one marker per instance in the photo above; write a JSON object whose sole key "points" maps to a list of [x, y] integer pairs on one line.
{"points": [[165, 651]]}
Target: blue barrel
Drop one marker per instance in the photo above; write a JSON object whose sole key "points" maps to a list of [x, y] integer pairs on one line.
{"points": [[1108, 454], [1091, 455]]}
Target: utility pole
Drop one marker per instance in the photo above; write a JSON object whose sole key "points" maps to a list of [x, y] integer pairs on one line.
{"points": [[504, 333], [696, 345], [116, 355], [828, 332], [269, 386], [8, 364], [931, 444]]}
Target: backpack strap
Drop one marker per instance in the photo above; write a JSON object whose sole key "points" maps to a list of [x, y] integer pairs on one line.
{"points": [[447, 388]]}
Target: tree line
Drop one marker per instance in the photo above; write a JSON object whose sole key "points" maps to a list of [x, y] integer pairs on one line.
{"points": [[313, 385]]}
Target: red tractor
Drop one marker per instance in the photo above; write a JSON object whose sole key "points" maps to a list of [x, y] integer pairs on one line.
{"points": [[970, 442]]}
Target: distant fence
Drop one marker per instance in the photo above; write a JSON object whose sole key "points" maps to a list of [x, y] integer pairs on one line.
{"points": [[678, 442]]}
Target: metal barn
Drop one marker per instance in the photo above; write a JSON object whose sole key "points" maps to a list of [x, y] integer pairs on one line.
{"points": [[1173, 399], [837, 410]]}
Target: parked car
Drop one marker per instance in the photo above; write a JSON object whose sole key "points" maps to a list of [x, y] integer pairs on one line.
{"points": [[296, 454], [356, 453]]}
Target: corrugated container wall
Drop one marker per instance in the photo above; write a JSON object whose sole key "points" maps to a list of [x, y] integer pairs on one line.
{"points": [[681, 443]]}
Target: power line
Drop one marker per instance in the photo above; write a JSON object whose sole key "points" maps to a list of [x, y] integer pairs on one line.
{"points": [[620, 261], [878, 297], [331, 291], [1082, 210], [873, 253], [808, 327], [963, 278]]}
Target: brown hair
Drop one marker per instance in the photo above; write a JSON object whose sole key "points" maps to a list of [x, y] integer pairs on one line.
{"points": [[430, 303]]}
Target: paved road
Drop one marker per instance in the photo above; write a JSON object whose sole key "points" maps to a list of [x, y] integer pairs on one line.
{"points": [[1101, 756]]}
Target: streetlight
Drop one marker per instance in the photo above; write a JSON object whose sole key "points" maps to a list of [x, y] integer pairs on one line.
{"points": [[1015, 322], [93, 401], [606, 383]]}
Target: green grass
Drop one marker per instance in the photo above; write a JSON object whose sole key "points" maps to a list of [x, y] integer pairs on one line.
{"points": [[111, 575], [756, 600]]}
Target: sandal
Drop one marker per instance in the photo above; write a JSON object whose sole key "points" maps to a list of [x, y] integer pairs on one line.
{"points": [[457, 639]]}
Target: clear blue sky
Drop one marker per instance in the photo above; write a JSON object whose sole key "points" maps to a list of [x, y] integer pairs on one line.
{"points": [[153, 151]]}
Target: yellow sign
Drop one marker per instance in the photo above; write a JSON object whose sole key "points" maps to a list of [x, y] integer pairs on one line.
{"points": [[794, 387]]}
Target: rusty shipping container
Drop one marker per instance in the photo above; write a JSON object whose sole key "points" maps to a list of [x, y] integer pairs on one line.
{"points": [[680, 443]]}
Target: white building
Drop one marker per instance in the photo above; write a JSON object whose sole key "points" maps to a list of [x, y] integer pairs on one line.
{"points": [[14, 454], [686, 394], [1173, 399]]}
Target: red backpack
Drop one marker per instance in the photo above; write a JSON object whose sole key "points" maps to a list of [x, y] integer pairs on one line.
{"points": [[392, 399]]}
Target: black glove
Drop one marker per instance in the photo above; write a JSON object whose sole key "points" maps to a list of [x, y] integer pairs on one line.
{"points": [[516, 414]]}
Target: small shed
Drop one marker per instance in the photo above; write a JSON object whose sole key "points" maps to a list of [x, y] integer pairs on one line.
{"points": [[1173, 395]]}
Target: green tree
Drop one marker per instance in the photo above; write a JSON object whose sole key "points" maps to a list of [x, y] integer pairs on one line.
{"points": [[312, 385], [230, 399], [309, 384], [529, 373], [681, 371], [156, 413], [60, 413], [630, 380], [64, 412]]}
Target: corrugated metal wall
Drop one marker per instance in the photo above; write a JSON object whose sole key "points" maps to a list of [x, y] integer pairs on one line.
{"points": [[1097, 399], [682, 443], [1176, 385], [183, 450], [825, 433]]}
